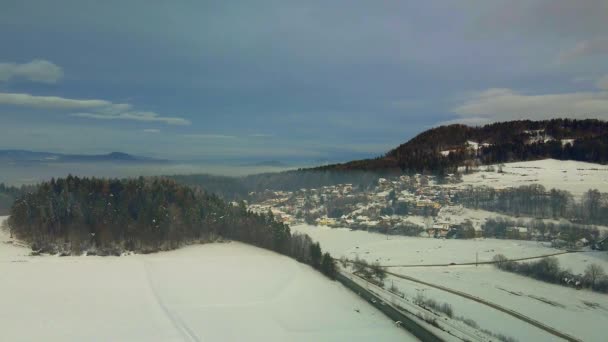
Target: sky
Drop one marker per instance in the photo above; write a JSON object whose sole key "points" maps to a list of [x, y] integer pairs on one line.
{"points": [[282, 79]]}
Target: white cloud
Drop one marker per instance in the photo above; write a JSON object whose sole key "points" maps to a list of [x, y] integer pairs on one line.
{"points": [[498, 104], [585, 48], [151, 130], [50, 102], [96, 109], [134, 116], [36, 71]]}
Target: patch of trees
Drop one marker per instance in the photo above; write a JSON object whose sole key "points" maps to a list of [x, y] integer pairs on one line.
{"points": [[507, 142], [110, 216], [240, 188], [407, 228], [534, 200], [549, 270], [374, 273], [465, 230], [8, 194], [569, 233]]}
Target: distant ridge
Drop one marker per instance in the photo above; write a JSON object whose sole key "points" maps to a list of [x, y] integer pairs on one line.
{"points": [[445, 148], [50, 157], [268, 163]]}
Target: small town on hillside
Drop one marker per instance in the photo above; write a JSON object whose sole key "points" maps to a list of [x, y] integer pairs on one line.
{"points": [[400, 205], [416, 205]]}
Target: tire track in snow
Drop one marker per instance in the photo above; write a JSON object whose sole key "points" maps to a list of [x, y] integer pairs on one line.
{"points": [[178, 323]]}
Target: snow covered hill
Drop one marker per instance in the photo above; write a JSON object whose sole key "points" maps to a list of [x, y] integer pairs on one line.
{"points": [[573, 176], [215, 292]]}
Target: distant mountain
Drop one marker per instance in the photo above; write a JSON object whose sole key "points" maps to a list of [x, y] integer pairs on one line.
{"points": [[445, 148], [50, 157], [268, 163]]}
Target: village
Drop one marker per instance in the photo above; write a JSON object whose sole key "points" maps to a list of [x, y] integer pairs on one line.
{"points": [[416, 205], [406, 205]]}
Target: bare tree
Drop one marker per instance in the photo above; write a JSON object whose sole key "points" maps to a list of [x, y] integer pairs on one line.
{"points": [[593, 273]]}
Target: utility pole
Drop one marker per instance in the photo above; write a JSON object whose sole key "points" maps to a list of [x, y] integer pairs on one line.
{"points": [[476, 259]]}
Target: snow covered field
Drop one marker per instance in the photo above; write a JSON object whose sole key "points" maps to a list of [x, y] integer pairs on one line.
{"points": [[557, 306], [573, 176], [404, 250], [215, 292], [580, 313]]}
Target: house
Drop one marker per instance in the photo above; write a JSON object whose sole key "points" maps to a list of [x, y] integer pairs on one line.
{"points": [[439, 230], [326, 221], [515, 232], [581, 243], [478, 231], [426, 207], [465, 231]]}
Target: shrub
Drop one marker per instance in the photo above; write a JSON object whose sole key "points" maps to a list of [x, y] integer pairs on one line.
{"points": [[468, 322]]}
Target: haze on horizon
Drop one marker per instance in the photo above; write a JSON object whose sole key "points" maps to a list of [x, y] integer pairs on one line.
{"points": [[282, 79]]}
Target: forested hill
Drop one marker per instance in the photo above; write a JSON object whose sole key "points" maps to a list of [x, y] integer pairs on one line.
{"points": [[107, 217], [444, 148]]}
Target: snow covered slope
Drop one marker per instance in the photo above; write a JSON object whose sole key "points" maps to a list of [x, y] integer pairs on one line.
{"points": [[580, 313], [404, 250], [215, 292], [573, 176]]}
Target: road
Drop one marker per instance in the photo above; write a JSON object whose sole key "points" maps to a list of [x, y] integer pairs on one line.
{"points": [[407, 323], [446, 325]]}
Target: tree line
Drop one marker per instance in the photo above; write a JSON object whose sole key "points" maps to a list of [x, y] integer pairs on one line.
{"points": [[549, 270], [9, 193], [566, 233], [240, 188], [534, 200], [110, 216]]}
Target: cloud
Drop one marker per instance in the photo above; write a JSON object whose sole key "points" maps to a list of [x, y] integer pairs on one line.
{"points": [[49, 102], [134, 116], [96, 109], [151, 130], [585, 48], [38, 70], [500, 104]]}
